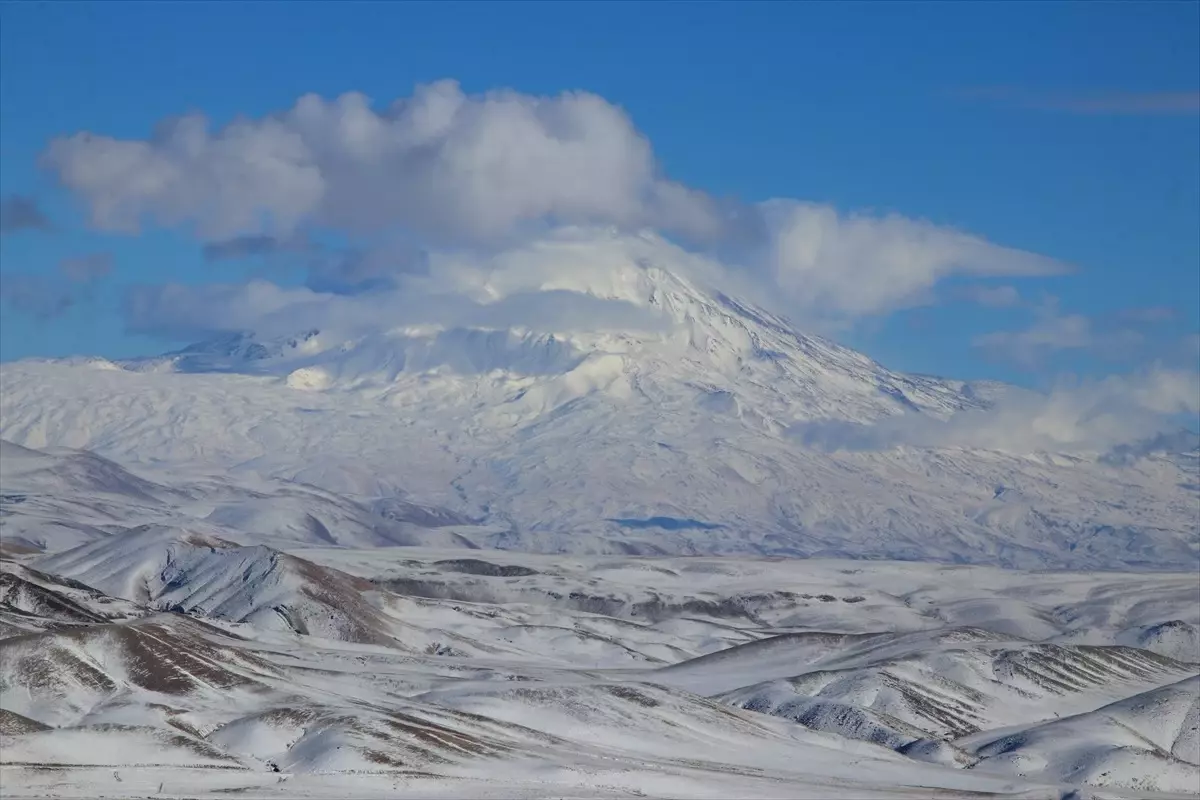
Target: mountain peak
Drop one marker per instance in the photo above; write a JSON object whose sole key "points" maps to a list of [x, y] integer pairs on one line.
{"points": [[577, 314], [588, 393]]}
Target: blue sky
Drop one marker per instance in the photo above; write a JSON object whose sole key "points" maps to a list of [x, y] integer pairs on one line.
{"points": [[1069, 130]]}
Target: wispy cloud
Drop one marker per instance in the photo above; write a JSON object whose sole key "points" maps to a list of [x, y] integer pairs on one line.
{"points": [[1113, 336], [346, 270], [1116, 335], [1147, 315], [42, 296], [1076, 416], [1191, 345], [51, 294], [990, 296], [252, 246], [88, 268], [1159, 103], [22, 213], [189, 312], [859, 265]]}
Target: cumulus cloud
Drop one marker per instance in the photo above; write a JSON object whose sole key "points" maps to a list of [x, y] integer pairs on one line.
{"points": [[449, 170], [20, 213], [448, 165], [1087, 416]]}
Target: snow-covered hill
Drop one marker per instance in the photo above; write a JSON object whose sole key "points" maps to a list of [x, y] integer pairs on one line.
{"points": [[175, 570], [694, 423], [519, 675], [511, 560], [1149, 742], [953, 684], [205, 649]]}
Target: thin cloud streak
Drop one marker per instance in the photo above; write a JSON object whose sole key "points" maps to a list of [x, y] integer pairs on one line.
{"points": [[86, 269], [43, 297], [1119, 412], [1089, 103]]}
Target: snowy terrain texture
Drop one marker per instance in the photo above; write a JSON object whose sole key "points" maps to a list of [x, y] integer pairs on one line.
{"points": [[502, 563], [179, 658], [703, 426]]}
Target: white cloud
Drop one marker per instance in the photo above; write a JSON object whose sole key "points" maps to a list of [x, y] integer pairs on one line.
{"points": [[1191, 347], [1089, 416], [1052, 332], [1147, 315], [192, 312], [1047, 334], [857, 265], [253, 245], [447, 170], [50, 294], [41, 296], [602, 262], [441, 163], [991, 296], [85, 269]]}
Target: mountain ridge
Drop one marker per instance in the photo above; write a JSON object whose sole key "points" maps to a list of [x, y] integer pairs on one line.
{"points": [[717, 429]]}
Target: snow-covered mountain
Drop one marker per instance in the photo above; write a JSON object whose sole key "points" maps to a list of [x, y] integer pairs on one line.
{"points": [[695, 423]]}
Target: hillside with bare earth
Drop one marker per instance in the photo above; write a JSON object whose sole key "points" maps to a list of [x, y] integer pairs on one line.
{"points": [[162, 660]]}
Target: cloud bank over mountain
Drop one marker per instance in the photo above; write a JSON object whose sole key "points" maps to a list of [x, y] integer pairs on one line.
{"points": [[504, 210], [1090, 416], [449, 171]]}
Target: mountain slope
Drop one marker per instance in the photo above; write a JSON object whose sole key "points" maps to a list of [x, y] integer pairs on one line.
{"points": [[333, 671], [1147, 742], [169, 569], [677, 436], [943, 690], [32, 601]]}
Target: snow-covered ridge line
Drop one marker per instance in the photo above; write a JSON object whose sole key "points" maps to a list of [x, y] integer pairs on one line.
{"points": [[724, 432], [830, 678], [223, 635]]}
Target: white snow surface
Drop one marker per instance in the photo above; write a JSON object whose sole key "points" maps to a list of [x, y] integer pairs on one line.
{"points": [[671, 437], [587, 563], [183, 657]]}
